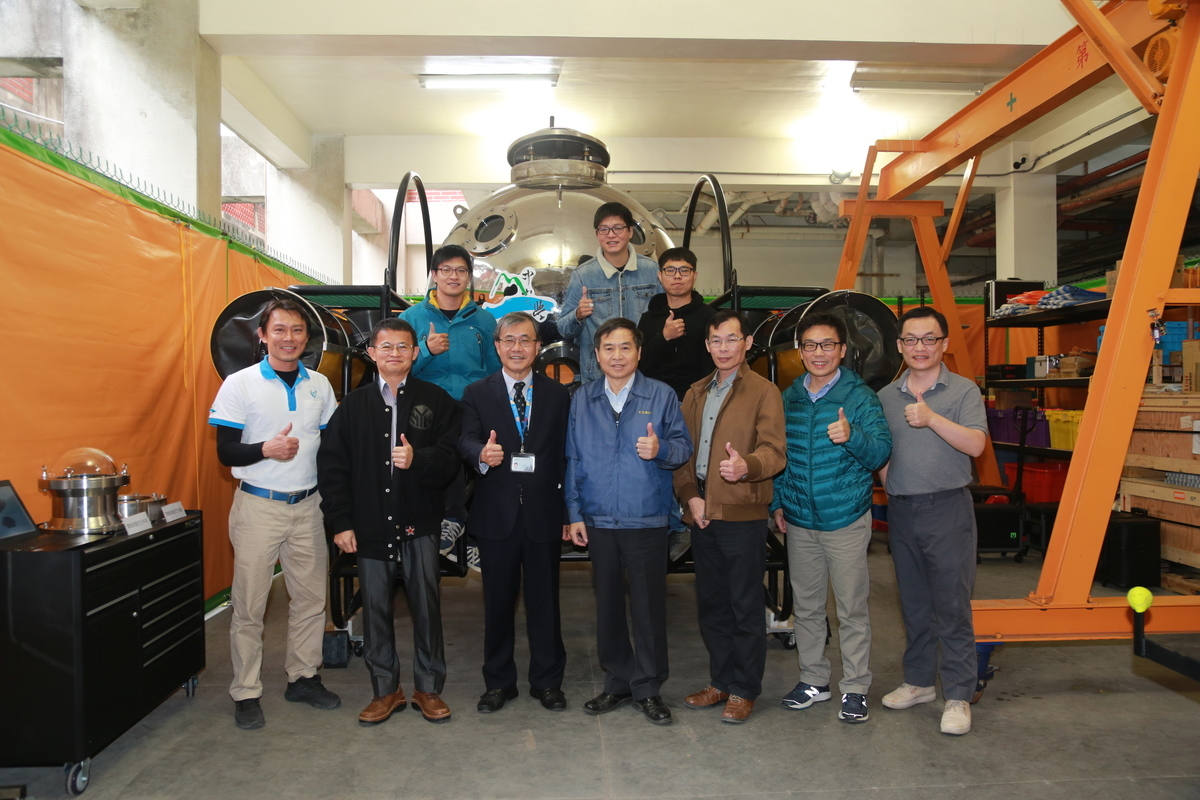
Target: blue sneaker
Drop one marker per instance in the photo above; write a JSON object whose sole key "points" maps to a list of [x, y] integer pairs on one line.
{"points": [[854, 708], [805, 695]]}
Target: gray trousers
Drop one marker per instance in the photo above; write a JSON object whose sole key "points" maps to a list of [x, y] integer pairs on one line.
{"points": [[817, 559], [933, 543], [377, 582]]}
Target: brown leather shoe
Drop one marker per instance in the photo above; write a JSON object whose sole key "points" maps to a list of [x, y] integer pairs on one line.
{"points": [[431, 706], [737, 710], [708, 696], [380, 708]]}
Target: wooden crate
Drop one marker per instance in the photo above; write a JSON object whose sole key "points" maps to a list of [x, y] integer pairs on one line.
{"points": [[1177, 507], [1167, 432]]}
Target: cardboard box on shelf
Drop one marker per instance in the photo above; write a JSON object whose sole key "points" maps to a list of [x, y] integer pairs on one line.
{"points": [[1191, 364], [1156, 358], [1076, 366], [1110, 282], [1178, 276]]}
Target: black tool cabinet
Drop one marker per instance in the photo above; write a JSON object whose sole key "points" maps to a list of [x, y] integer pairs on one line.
{"points": [[95, 632]]}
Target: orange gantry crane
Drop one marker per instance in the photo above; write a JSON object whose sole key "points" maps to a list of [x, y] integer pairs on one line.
{"points": [[1104, 43]]}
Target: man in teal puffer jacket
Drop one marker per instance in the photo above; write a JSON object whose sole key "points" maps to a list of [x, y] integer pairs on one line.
{"points": [[836, 437]]}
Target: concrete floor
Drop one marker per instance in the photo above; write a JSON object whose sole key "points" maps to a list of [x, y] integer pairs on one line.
{"points": [[1074, 720]]}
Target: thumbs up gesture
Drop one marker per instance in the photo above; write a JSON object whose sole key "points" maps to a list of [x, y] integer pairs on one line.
{"points": [[281, 447], [402, 456], [733, 468], [674, 327], [492, 454], [586, 306], [839, 432], [437, 343], [647, 446], [918, 415]]}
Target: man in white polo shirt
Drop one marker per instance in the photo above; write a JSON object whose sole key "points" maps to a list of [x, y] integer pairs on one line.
{"points": [[269, 419]]}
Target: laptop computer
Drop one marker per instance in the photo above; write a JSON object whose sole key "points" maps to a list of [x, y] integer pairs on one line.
{"points": [[15, 522]]}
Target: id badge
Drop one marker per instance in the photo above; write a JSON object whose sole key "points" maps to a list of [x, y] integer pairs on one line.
{"points": [[521, 462]]}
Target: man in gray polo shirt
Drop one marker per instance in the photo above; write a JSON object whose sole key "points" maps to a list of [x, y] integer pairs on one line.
{"points": [[938, 425]]}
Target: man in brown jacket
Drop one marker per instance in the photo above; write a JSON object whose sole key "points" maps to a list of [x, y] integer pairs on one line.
{"points": [[735, 418]]}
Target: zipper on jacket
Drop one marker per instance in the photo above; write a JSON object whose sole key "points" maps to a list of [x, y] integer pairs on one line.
{"points": [[479, 339], [621, 293]]}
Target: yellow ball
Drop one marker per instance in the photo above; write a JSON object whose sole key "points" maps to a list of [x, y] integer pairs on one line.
{"points": [[1139, 598]]}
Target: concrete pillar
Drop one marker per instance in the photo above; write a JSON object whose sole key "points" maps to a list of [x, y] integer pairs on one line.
{"points": [[309, 212], [1027, 229], [142, 91]]}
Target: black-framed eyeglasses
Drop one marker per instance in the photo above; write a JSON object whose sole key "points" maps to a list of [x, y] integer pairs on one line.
{"points": [[810, 347], [928, 341], [607, 229], [448, 271], [387, 347], [682, 272]]}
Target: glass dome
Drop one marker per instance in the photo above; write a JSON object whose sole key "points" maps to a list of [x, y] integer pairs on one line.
{"points": [[85, 461]]}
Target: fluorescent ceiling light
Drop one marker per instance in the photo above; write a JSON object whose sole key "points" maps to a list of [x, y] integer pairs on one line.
{"points": [[488, 81]]}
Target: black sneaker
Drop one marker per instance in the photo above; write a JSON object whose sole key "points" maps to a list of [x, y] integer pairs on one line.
{"points": [[854, 708], [313, 692], [248, 714]]}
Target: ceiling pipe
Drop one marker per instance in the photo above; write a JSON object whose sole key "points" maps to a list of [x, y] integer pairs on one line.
{"points": [[1103, 172], [1105, 190], [754, 198]]}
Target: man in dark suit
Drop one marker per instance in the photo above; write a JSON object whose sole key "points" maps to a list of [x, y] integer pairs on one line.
{"points": [[514, 434]]}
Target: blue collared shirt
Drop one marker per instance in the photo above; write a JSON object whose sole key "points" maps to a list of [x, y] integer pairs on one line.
{"points": [[824, 390]]}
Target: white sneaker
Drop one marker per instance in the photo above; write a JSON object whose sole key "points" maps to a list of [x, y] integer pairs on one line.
{"points": [[908, 696], [956, 719]]}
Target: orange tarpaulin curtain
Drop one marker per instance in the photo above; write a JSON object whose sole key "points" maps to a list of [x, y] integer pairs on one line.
{"points": [[107, 310]]}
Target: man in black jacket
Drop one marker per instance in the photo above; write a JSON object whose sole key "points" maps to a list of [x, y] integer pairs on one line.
{"points": [[675, 325], [385, 459], [674, 328], [514, 434]]}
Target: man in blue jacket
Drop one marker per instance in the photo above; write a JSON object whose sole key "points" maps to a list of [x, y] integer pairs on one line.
{"points": [[618, 282], [836, 437], [455, 338], [624, 436]]}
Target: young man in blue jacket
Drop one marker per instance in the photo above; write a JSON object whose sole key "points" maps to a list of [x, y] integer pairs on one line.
{"points": [[455, 338], [836, 437], [624, 436], [618, 282]]}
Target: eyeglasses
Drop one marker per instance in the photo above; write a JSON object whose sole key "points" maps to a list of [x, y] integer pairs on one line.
{"points": [[682, 272], [448, 271], [928, 341], [607, 229], [387, 348], [717, 342], [810, 347], [514, 341]]}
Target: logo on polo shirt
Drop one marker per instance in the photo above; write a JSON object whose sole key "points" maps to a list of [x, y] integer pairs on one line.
{"points": [[312, 392], [421, 418]]}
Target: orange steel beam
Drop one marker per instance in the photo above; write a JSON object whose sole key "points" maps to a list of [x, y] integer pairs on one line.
{"points": [[1102, 618], [960, 207], [1116, 388], [856, 236], [1065, 69], [892, 208], [1137, 77]]}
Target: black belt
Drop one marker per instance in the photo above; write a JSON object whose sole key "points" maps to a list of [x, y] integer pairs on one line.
{"points": [[291, 498]]}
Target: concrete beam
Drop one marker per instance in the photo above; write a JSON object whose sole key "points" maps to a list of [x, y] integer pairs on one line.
{"points": [[938, 31], [253, 112], [104, 5]]}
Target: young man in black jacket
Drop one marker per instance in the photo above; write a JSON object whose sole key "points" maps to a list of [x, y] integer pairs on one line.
{"points": [[674, 326], [386, 457]]}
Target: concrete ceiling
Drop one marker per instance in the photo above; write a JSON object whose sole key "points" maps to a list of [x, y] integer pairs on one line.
{"points": [[756, 89]]}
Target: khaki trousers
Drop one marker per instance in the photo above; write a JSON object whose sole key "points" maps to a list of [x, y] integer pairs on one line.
{"points": [[264, 532]]}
